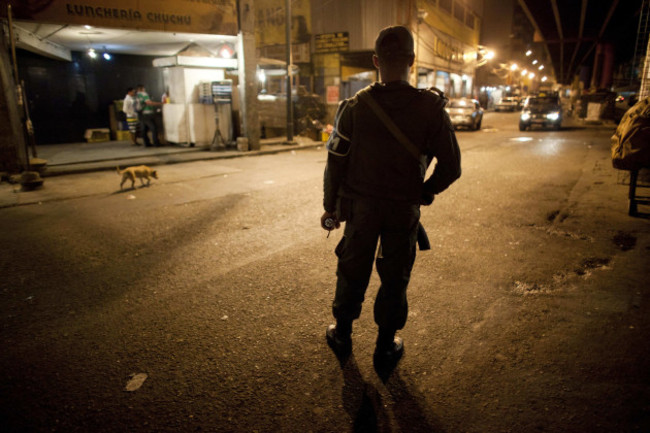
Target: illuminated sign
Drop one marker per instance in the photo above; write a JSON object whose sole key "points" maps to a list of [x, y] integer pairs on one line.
{"points": [[187, 16], [332, 42]]}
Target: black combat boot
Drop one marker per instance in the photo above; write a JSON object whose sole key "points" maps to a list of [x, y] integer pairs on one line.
{"points": [[388, 352], [339, 338]]}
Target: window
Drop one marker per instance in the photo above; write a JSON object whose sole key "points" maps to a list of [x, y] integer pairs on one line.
{"points": [[459, 12], [469, 20], [445, 5]]}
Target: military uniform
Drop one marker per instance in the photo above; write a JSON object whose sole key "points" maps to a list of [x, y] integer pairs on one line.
{"points": [[374, 184]]}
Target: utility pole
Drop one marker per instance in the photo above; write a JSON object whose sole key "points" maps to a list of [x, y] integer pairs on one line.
{"points": [[12, 139], [247, 74], [289, 78], [422, 14]]}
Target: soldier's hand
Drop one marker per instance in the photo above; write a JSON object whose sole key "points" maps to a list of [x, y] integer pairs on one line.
{"points": [[329, 222]]}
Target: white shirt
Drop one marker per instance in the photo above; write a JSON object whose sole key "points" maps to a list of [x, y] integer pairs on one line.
{"points": [[129, 106]]}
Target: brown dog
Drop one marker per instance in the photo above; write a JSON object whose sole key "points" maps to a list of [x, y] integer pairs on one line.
{"points": [[141, 171]]}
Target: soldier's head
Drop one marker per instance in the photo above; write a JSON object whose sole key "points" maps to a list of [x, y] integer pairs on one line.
{"points": [[394, 53]]}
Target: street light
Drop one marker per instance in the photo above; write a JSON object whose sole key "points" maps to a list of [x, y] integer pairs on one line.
{"points": [[528, 53], [541, 67], [483, 54]]}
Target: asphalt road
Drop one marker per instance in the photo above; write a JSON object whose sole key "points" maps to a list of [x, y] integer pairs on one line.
{"points": [[530, 313]]}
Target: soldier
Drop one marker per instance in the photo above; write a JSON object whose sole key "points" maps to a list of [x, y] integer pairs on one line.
{"points": [[375, 183]]}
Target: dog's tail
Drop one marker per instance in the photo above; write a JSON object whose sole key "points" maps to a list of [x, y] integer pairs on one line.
{"points": [[118, 170]]}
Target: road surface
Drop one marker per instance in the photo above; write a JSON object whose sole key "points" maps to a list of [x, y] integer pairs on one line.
{"points": [[214, 285]]}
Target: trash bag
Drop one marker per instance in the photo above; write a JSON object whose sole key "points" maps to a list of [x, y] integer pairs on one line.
{"points": [[631, 141]]}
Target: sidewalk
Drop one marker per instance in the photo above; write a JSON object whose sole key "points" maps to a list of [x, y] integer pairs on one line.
{"points": [[79, 158], [72, 158]]}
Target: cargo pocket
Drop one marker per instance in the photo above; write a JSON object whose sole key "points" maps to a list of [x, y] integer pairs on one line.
{"points": [[340, 247], [343, 209]]}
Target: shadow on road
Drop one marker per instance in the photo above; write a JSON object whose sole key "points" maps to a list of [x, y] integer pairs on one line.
{"points": [[130, 189], [641, 215], [365, 406], [410, 414], [360, 400], [572, 128]]}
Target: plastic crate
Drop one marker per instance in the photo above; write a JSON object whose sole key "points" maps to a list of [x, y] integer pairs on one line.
{"points": [[122, 135]]}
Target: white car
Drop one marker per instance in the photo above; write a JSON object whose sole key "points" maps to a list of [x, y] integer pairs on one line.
{"points": [[507, 104], [465, 112]]}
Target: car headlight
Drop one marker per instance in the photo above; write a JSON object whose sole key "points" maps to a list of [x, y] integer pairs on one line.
{"points": [[525, 116], [553, 116]]}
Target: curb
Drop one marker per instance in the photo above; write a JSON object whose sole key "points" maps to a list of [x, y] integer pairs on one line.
{"points": [[171, 158]]}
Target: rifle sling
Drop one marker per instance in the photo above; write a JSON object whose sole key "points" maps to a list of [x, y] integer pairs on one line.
{"points": [[391, 126]]}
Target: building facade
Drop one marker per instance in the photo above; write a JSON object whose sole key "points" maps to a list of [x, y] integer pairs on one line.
{"points": [[333, 42]]}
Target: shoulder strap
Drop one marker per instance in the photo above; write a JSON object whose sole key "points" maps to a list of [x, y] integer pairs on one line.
{"points": [[366, 97]]}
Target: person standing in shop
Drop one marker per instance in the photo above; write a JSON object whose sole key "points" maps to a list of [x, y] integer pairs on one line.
{"points": [[128, 107], [147, 116]]}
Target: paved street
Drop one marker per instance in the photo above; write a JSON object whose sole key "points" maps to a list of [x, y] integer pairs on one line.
{"points": [[530, 313]]}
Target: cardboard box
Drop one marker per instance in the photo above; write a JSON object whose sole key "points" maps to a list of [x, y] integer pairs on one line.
{"points": [[97, 135]]}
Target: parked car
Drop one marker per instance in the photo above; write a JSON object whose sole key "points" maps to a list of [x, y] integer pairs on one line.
{"points": [[465, 112], [624, 101], [542, 110], [508, 103]]}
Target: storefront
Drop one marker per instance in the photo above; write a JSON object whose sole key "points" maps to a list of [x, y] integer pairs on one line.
{"points": [[75, 58]]}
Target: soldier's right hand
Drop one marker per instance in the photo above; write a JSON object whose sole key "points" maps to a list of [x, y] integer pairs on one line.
{"points": [[326, 225]]}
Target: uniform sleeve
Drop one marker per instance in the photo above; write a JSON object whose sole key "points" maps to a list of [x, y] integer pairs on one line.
{"points": [[338, 148], [447, 154]]}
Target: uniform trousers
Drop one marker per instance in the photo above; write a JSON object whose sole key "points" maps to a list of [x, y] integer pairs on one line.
{"points": [[394, 225]]}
